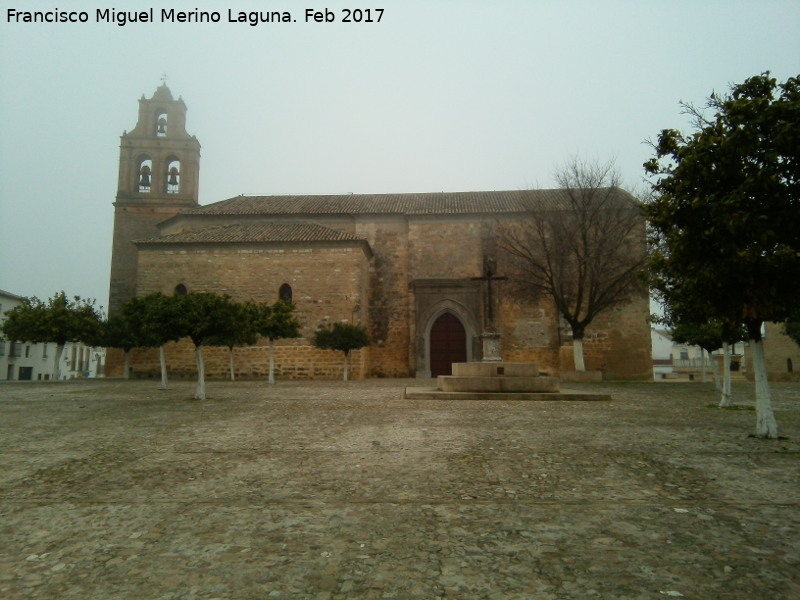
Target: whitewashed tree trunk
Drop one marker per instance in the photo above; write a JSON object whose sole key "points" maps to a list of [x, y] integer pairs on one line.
{"points": [[200, 393], [57, 363], [725, 401], [271, 361], [230, 363], [346, 366], [703, 376], [163, 360], [126, 369], [577, 351], [766, 426], [714, 371]]}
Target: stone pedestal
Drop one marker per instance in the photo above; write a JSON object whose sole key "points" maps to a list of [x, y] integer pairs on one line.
{"points": [[581, 376], [491, 346], [497, 380], [497, 377]]}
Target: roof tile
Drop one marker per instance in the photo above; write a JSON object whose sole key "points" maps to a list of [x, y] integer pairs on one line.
{"points": [[405, 204], [237, 233]]}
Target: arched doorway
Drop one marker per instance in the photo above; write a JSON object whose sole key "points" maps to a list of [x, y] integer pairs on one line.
{"points": [[448, 344]]}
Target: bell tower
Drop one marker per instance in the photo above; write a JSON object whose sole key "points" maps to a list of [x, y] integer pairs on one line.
{"points": [[159, 172]]}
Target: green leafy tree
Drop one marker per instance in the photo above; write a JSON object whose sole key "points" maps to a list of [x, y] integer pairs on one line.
{"points": [[724, 217], [275, 322], [160, 323], [241, 333], [58, 320], [709, 337], [343, 337], [120, 332], [144, 322], [203, 317]]}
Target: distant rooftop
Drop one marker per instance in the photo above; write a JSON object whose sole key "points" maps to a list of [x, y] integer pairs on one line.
{"points": [[10, 295]]}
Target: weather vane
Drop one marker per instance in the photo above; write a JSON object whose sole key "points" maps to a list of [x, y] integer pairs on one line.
{"points": [[164, 79]]}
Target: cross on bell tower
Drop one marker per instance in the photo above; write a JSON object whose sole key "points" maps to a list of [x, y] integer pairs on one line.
{"points": [[159, 170]]}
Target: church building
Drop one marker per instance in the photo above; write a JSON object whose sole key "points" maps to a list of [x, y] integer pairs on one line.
{"points": [[411, 268]]}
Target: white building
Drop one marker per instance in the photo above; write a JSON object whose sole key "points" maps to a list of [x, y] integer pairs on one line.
{"points": [[662, 352], [36, 362], [670, 357]]}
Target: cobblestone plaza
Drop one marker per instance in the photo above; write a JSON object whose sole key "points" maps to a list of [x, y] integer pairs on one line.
{"points": [[333, 490]]}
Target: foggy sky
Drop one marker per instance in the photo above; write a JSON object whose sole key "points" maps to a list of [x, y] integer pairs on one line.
{"points": [[438, 96]]}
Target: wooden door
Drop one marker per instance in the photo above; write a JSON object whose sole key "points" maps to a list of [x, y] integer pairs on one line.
{"points": [[448, 344]]}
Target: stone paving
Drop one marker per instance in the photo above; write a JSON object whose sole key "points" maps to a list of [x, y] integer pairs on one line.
{"points": [[332, 490]]}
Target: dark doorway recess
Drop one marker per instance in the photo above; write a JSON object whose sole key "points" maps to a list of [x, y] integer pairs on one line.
{"points": [[448, 344]]}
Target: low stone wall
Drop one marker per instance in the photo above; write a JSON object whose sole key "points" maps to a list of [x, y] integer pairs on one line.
{"points": [[294, 359]]}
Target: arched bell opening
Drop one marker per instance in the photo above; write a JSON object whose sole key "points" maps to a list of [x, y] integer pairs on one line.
{"points": [[144, 175], [161, 124], [173, 185]]}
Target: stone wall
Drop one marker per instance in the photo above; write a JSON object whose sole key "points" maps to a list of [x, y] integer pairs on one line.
{"points": [[388, 306], [780, 353], [294, 359], [131, 222], [618, 342], [445, 247], [530, 332], [345, 282], [330, 283]]}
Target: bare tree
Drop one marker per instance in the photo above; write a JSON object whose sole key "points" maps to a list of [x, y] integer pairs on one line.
{"points": [[583, 246]]}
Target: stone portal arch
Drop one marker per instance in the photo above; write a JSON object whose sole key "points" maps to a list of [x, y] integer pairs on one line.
{"points": [[443, 313]]}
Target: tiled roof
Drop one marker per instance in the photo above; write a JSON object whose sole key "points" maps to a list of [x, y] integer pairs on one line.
{"points": [[405, 204], [233, 234]]}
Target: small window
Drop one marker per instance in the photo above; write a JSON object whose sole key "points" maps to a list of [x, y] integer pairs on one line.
{"points": [[180, 289], [789, 365], [285, 293]]}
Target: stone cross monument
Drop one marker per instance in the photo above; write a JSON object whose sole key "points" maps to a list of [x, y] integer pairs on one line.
{"points": [[490, 336]]}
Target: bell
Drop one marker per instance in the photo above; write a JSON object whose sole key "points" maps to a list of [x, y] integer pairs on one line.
{"points": [[173, 176], [162, 126], [144, 177]]}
